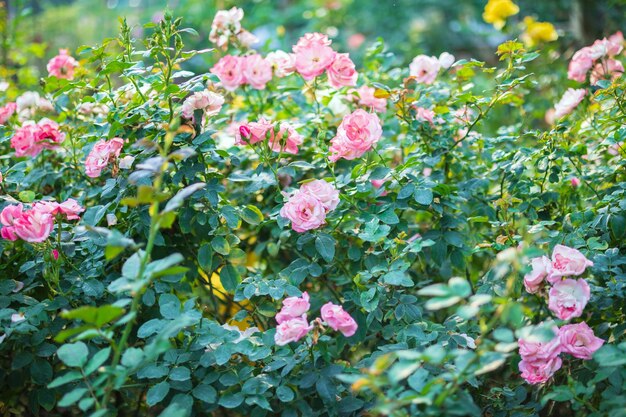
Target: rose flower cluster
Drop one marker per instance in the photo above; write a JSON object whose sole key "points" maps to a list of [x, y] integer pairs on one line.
{"points": [[566, 299], [34, 225]]}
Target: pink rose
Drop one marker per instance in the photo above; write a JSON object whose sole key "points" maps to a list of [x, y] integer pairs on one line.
{"points": [[342, 72], [533, 280], [566, 262], [424, 115], [581, 63], [338, 319], [230, 70], [540, 351], [254, 132], [616, 44], [313, 55], [357, 134], [539, 372], [286, 140], [446, 60], [101, 154], [31, 138], [424, 69], [291, 330], [8, 216], [48, 134], [257, 71], [34, 225], [282, 63], [569, 101], [575, 182], [71, 209], [324, 191], [365, 97], [62, 65], [294, 307], [306, 212], [208, 101], [611, 69], [7, 111], [568, 298], [579, 341]]}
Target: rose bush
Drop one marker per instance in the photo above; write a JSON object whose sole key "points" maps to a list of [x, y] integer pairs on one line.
{"points": [[290, 234]]}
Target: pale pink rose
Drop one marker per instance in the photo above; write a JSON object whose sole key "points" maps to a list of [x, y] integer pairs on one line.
{"points": [[101, 154], [540, 351], [446, 60], [286, 140], [566, 262], [342, 72], [427, 171], [305, 212], [599, 49], [337, 319], [365, 97], [293, 307], [424, 69], [575, 182], [609, 69], [71, 209], [568, 298], [616, 44], [292, 330], [46, 206], [62, 65], [208, 101], [424, 115], [29, 103], [539, 372], [357, 134], [257, 70], [569, 101], [356, 40], [230, 70], [8, 216], [313, 55], [282, 63], [534, 279], [7, 111], [226, 23], [579, 341], [581, 63], [254, 132], [324, 191], [34, 225], [246, 39]]}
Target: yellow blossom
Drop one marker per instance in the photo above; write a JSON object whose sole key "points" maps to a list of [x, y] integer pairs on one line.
{"points": [[497, 11], [538, 32]]}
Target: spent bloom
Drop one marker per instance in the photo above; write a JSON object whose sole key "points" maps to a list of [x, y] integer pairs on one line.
{"points": [[569, 101], [424, 68], [338, 319], [62, 65], [579, 341], [226, 24], [103, 152], [357, 134], [568, 298]]}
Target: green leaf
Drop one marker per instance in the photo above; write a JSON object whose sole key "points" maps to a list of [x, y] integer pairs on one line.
{"points": [[230, 278], [132, 357], [72, 397], [285, 394], [157, 393], [97, 360], [98, 316], [231, 400], [169, 306], [73, 354], [205, 258], [325, 246], [220, 245], [66, 378], [423, 196], [397, 278], [205, 393], [252, 215], [180, 373]]}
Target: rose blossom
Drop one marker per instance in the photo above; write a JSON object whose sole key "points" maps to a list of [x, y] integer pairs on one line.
{"points": [[34, 225], [28, 104], [305, 211], [286, 140], [7, 111], [366, 98], [611, 68], [615, 43], [566, 262], [569, 101], [357, 134], [338, 319], [579, 341], [424, 69], [230, 70], [540, 351], [541, 267], [254, 132], [342, 72], [581, 63], [291, 330], [208, 101], [225, 24], [446, 60], [324, 192], [313, 55], [31, 138], [101, 154], [62, 65], [539, 372], [294, 307], [282, 63], [575, 182], [257, 71], [8, 216], [568, 298], [424, 115], [71, 209]]}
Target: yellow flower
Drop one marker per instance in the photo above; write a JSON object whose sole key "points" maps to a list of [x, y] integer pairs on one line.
{"points": [[496, 12], [538, 32]]}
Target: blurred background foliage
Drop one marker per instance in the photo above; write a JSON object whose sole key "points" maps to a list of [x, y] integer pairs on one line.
{"points": [[409, 27]]}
